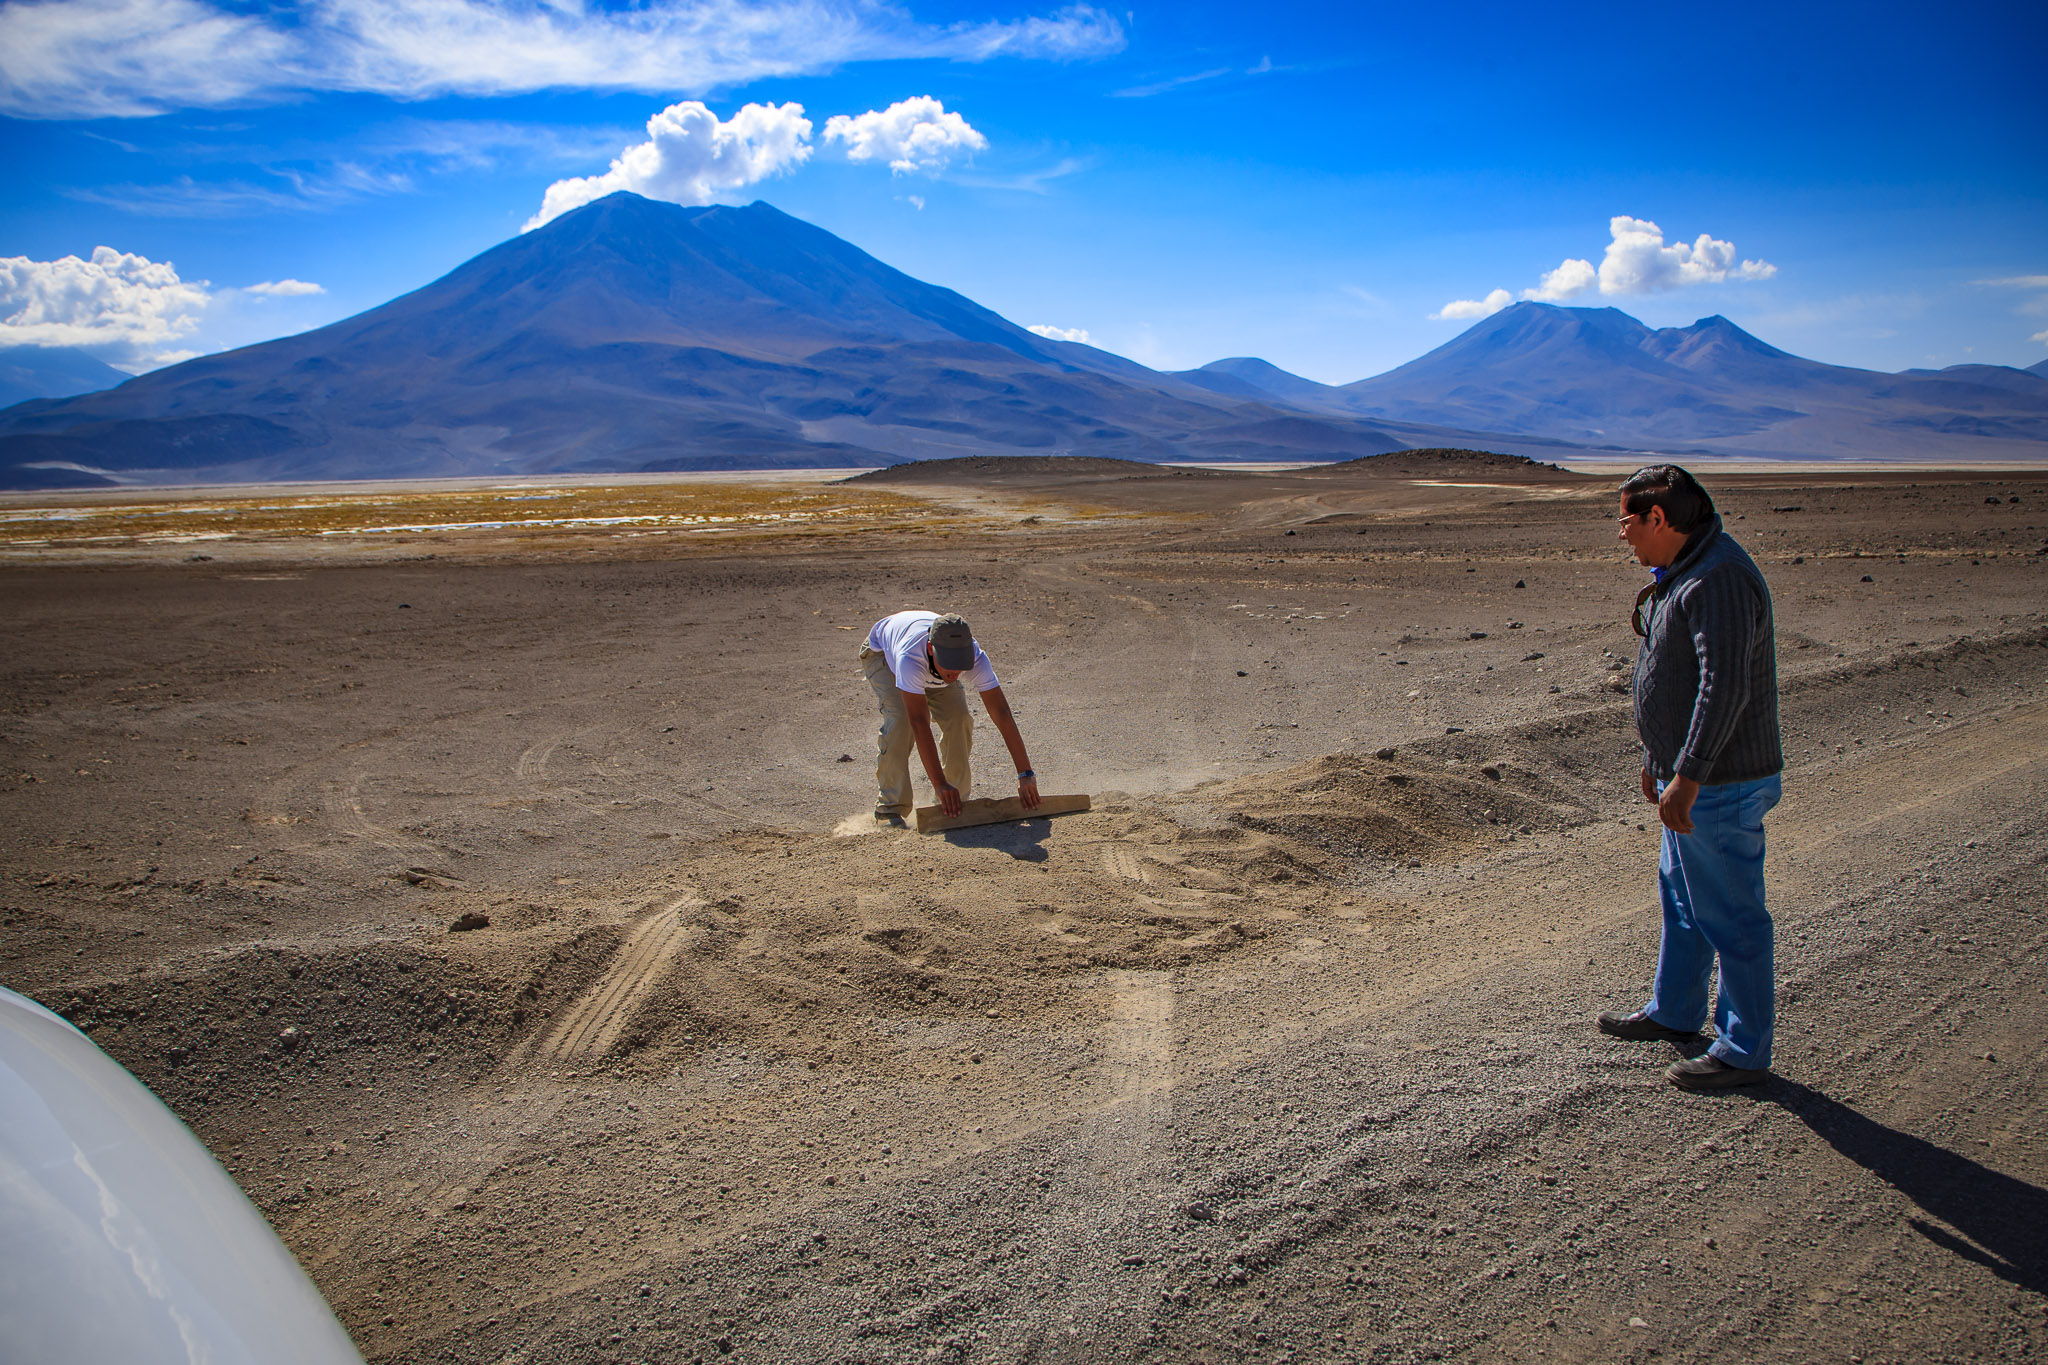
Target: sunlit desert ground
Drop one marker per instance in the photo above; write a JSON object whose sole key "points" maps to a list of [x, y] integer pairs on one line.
{"points": [[484, 871]]}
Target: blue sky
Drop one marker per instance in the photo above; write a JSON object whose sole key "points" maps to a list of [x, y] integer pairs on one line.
{"points": [[1335, 188]]}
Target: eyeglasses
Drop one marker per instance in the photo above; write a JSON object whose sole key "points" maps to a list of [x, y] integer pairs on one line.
{"points": [[1636, 619], [1624, 521]]}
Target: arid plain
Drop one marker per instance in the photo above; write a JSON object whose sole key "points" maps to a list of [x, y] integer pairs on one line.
{"points": [[1283, 1052]]}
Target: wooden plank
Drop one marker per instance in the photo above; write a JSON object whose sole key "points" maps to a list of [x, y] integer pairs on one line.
{"points": [[983, 810]]}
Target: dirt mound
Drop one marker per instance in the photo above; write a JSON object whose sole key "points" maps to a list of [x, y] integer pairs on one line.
{"points": [[996, 468], [1437, 460]]}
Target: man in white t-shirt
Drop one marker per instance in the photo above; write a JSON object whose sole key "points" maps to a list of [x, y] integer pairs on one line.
{"points": [[916, 661]]}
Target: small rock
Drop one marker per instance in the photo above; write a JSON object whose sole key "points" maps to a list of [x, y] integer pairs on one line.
{"points": [[1490, 772], [1200, 1212], [844, 758], [1868, 579], [1532, 656], [1798, 559], [1454, 729], [1291, 533], [288, 1038], [1520, 584], [1383, 754], [1637, 1322], [1242, 674], [474, 919], [1479, 635]]}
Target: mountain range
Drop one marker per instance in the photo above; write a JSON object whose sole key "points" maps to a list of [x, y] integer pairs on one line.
{"points": [[632, 335], [1598, 378]]}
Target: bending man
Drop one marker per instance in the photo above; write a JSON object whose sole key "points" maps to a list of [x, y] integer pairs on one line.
{"points": [[916, 661], [1706, 704]]}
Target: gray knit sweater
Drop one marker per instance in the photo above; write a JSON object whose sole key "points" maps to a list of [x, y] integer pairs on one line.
{"points": [[1706, 684]]}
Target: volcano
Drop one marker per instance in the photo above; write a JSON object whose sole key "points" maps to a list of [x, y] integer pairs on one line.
{"points": [[632, 335]]}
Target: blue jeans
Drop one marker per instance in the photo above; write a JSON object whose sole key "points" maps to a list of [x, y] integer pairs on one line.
{"points": [[1712, 882]]}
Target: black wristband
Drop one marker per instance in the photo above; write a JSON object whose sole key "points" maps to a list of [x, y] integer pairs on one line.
{"points": [[1026, 772]]}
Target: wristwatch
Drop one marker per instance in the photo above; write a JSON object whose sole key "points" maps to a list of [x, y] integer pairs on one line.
{"points": [[1026, 772]]}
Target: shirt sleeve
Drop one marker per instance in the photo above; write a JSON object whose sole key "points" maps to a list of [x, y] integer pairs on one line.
{"points": [[981, 677], [1722, 615]]}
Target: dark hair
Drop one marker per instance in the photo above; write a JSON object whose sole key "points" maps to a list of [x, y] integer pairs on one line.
{"points": [[1686, 504]]}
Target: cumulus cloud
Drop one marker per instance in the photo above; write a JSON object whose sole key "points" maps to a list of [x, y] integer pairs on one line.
{"points": [[134, 58], [690, 157], [1079, 334], [120, 306], [1569, 280], [1459, 310], [1640, 261], [917, 134], [283, 289]]}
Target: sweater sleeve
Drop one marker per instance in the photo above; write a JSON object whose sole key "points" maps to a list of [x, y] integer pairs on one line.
{"points": [[1721, 614]]}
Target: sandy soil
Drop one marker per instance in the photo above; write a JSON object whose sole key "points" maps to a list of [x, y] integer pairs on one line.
{"points": [[1283, 1052]]}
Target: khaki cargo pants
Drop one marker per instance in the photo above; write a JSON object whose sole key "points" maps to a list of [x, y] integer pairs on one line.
{"points": [[952, 723]]}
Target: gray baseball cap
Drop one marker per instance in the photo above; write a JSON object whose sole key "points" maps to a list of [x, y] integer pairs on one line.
{"points": [[952, 642]]}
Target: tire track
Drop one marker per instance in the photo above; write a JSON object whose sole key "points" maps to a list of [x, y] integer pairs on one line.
{"points": [[592, 1024], [1119, 1174], [1124, 862]]}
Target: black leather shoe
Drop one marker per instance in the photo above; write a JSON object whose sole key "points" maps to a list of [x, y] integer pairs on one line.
{"points": [[1711, 1073], [1640, 1027]]}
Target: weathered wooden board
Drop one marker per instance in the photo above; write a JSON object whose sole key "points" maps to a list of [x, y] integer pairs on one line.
{"points": [[982, 810]]}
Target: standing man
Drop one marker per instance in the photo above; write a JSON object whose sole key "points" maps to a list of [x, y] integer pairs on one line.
{"points": [[1706, 705], [915, 661]]}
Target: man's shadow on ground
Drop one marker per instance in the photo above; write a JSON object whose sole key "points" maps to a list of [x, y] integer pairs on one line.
{"points": [[1023, 840], [2005, 1219]]}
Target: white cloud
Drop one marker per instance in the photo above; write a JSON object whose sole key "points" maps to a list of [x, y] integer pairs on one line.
{"points": [[1031, 182], [916, 134], [283, 289], [1076, 32], [1459, 310], [1079, 334], [1569, 280], [916, 201], [133, 58], [690, 157], [1639, 261], [120, 306], [1160, 87], [2019, 282], [2041, 336]]}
